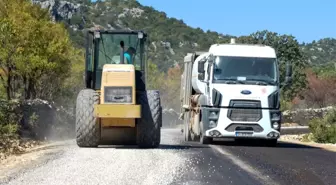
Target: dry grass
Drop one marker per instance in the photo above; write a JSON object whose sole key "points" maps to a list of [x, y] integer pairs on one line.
{"points": [[14, 146]]}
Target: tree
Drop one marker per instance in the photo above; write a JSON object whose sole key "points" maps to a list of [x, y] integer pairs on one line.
{"points": [[155, 77], [173, 85], [33, 51], [288, 50]]}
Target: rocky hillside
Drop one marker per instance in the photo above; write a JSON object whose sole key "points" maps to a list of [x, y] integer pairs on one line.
{"points": [[321, 52], [170, 38]]}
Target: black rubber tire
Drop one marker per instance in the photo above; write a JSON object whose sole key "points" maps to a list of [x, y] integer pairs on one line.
{"points": [[149, 125], [87, 126], [186, 130], [203, 139]]}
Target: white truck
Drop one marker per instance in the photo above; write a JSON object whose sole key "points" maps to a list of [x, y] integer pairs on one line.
{"points": [[232, 91]]}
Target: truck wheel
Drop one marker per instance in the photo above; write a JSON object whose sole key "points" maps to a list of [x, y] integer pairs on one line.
{"points": [[149, 125], [204, 139], [87, 125]]}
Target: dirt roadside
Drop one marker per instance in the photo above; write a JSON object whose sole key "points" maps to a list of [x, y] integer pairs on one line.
{"points": [[15, 163], [297, 139]]}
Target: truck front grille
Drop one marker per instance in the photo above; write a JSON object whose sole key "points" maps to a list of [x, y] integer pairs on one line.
{"points": [[244, 127], [245, 110]]}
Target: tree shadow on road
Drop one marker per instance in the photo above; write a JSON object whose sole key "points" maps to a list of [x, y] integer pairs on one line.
{"points": [[161, 147], [258, 143]]}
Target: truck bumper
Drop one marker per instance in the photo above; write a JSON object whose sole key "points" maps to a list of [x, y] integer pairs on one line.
{"points": [[226, 128], [117, 111]]}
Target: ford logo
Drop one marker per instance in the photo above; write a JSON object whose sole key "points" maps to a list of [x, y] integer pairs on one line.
{"points": [[246, 92]]}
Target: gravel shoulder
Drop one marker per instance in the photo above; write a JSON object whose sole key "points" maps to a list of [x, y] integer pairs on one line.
{"points": [[106, 165]]}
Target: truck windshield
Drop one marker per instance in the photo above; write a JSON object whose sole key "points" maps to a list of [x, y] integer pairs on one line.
{"points": [[109, 49], [245, 70]]}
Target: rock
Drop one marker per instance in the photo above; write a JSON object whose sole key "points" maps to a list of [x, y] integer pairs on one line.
{"points": [[303, 116], [41, 119], [167, 45], [133, 12], [59, 10]]}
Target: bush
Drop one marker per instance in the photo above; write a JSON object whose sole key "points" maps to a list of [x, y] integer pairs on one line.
{"points": [[8, 130], [9, 117], [324, 130], [285, 105], [321, 91]]}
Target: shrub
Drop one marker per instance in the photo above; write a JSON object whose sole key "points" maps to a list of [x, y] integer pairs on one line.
{"points": [[324, 130], [9, 117], [285, 105], [321, 91]]}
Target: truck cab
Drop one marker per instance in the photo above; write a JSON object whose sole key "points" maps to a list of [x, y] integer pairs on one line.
{"points": [[235, 93]]}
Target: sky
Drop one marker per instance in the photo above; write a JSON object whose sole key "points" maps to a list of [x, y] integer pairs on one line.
{"points": [[307, 20]]}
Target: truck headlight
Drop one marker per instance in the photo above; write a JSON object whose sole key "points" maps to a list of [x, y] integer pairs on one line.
{"points": [[275, 118], [211, 116], [118, 94]]}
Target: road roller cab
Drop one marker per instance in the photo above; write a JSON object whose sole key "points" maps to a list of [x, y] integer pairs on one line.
{"points": [[115, 97]]}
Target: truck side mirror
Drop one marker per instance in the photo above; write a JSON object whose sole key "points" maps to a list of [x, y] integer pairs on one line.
{"points": [[201, 71], [201, 66], [288, 77]]}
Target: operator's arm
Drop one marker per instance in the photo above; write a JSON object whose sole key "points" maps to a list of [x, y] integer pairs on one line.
{"points": [[127, 58]]}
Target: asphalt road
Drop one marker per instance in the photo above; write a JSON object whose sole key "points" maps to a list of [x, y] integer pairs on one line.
{"points": [[176, 162]]}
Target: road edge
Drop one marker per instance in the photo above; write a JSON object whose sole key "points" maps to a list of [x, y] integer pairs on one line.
{"points": [[14, 165], [324, 146]]}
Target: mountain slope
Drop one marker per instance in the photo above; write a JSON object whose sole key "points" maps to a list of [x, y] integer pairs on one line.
{"points": [[170, 38], [321, 52]]}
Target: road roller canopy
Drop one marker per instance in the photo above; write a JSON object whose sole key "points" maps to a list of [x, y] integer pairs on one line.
{"points": [[113, 47]]}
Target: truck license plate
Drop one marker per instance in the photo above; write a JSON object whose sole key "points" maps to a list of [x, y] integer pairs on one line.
{"points": [[243, 134]]}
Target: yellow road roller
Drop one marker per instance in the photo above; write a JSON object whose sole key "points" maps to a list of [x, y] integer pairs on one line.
{"points": [[115, 107]]}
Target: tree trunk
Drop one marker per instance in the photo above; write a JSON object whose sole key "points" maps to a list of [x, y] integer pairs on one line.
{"points": [[31, 89], [9, 81]]}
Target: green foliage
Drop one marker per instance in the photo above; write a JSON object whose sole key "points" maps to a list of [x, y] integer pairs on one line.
{"points": [[327, 70], [37, 60], [320, 52], [285, 105], [33, 121], [33, 51], [155, 78], [9, 118], [9, 130], [324, 130]]}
